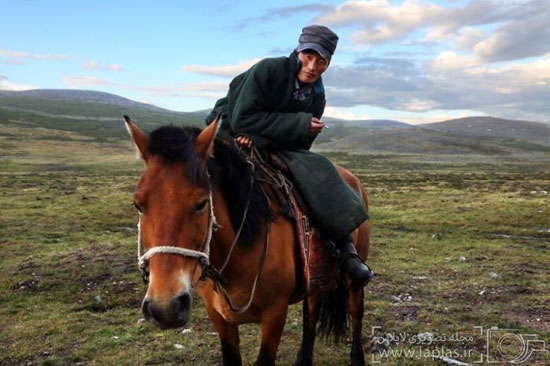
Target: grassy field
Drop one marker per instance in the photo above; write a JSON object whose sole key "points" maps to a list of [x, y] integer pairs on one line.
{"points": [[456, 245]]}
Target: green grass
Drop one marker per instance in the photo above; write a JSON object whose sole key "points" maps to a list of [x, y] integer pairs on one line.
{"points": [[70, 291]]}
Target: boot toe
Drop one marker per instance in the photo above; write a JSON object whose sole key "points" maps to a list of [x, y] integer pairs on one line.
{"points": [[358, 273]]}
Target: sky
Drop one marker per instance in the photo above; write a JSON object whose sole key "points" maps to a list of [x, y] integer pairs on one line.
{"points": [[415, 61]]}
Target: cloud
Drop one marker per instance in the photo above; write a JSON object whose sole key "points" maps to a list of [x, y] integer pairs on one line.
{"points": [[344, 113], [12, 62], [33, 56], [5, 84], [416, 119], [450, 82], [114, 67], [81, 81], [517, 39], [94, 65], [283, 13], [379, 21], [209, 90], [468, 37], [224, 70], [449, 60], [521, 29], [91, 65]]}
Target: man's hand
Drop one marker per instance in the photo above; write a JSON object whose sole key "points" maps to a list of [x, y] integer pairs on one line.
{"points": [[244, 141], [316, 126]]}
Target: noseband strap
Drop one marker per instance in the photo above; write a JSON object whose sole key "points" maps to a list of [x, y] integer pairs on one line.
{"points": [[208, 271]]}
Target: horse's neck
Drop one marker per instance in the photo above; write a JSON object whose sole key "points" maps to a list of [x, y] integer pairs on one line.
{"points": [[224, 236]]}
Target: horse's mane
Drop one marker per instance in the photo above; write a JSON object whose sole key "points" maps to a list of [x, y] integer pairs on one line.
{"points": [[228, 168]]}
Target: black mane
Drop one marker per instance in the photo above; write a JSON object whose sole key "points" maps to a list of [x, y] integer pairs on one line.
{"points": [[229, 169]]}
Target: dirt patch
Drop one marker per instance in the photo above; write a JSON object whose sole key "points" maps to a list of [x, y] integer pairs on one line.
{"points": [[537, 318]]}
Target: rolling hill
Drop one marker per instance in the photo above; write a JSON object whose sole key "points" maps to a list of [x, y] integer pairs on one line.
{"points": [[98, 116], [495, 127], [91, 113], [419, 140]]}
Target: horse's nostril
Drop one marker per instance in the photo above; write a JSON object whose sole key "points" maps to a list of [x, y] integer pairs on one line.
{"points": [[146, 310], [181, 306]]}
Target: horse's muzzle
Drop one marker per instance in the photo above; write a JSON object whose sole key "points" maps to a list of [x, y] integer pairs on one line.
{"points": [[174, 315]]}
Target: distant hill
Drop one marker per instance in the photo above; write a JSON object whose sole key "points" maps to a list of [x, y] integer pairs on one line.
{"points": [[366, 123], [419, 140], [99, 115], [341, 128], [495, 127], [92, 113]]}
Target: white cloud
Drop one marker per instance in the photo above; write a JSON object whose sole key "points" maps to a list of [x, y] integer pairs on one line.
{"points": [[522, 29], [223, 70], [12, 62], [419, 105], [91, 65], [94, 65], [449, 60], [208, 90], [5, 84], [114, 67], [34, 56], [449, 82], [435, 117], [344, 113], [380, 21], [81, 81], [468, 37]]}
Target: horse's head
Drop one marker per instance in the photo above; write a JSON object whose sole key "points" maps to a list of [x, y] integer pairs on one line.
{"points": [[173, 198]]}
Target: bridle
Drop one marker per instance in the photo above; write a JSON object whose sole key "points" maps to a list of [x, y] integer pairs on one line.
{"points": [[209, 271], [203, 255]]}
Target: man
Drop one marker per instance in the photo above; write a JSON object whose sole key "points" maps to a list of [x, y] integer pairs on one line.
{"points": [[276, 105]]}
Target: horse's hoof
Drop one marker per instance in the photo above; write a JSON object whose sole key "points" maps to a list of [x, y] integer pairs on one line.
{"points": [[358, 360]]}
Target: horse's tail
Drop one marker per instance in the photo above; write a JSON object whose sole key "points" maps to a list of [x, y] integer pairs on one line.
{"points": [[333, 313]]}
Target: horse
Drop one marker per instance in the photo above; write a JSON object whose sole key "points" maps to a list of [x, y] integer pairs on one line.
{"points": [[201, 213]]}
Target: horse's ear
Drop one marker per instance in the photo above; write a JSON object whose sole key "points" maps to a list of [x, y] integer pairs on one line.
{"points": [[141, 140], [204, 145]]}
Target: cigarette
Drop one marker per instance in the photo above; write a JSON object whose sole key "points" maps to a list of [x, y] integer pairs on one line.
{"points": [[327, 126]]}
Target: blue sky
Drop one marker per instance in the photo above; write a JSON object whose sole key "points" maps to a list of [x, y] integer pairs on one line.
{"points": [[414, 61]]}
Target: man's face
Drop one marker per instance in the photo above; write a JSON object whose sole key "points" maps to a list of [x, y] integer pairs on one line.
{"points": [[313, 66]]}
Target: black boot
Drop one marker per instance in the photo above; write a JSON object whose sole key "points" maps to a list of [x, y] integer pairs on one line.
{"points": [[352, 265]]}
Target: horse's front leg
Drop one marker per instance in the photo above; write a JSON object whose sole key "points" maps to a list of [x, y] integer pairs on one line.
{"points": [[310, 315], [272, 324], [356, 310], [229, 337]]}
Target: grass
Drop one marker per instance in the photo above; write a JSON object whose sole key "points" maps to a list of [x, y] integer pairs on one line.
{"points": [[455, 244]]}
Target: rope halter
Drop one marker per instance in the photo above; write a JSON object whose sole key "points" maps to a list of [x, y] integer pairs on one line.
{"points": [[203, 256]]}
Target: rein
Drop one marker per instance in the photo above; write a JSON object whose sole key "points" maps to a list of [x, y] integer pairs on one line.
{"points": [[209, 271]]}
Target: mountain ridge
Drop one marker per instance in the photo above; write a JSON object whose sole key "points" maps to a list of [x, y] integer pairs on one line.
{"points": [[99, 115]]}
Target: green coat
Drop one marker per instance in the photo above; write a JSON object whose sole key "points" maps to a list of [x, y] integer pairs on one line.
{"points": [[262, 104]]}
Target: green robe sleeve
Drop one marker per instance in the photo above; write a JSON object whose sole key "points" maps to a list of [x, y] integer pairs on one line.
{"points": [[249, 112]]}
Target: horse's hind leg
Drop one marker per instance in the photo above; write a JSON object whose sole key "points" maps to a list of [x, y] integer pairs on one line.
{"points": [[229, 337], [273, 322], [356, 310], [311, 316]]}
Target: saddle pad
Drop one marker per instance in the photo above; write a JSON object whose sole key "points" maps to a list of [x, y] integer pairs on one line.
{"points": [[320, 269]]}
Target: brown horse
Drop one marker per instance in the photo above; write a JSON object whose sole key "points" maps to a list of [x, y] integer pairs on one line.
{"points": [[191, 198]]}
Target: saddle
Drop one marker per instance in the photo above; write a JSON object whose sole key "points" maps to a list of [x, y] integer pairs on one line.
{"points": [[320, 269]]}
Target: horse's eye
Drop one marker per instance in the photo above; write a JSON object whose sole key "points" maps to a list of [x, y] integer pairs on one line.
{"points": [[138, 207], [201, 206]]}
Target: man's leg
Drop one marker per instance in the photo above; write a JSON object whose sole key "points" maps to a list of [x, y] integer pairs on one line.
{"points": [[352, 265]]}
